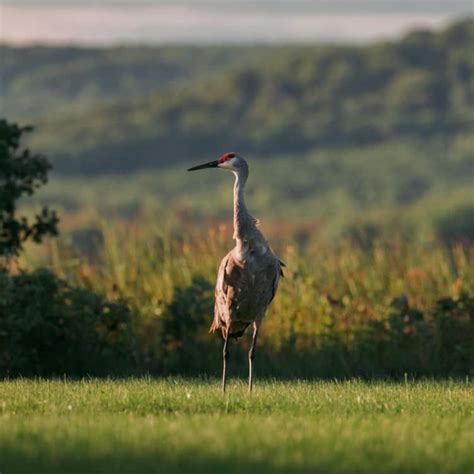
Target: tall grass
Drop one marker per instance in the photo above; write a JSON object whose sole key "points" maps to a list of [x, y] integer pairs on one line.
{"points": [[329, 293], [145, 263]]}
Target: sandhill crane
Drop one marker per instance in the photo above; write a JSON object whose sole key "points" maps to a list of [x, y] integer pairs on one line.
{"points": [[248, 275]]}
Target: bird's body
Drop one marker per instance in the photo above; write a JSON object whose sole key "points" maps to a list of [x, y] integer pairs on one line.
{"points": [[246, 284], [248, 275]]}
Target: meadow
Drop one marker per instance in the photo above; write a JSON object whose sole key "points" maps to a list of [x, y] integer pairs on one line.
{"points": [[373, 309], [186, 425], [361, 164]]}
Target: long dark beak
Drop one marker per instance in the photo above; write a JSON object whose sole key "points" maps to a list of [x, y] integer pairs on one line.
{"points": [[211, 164]]}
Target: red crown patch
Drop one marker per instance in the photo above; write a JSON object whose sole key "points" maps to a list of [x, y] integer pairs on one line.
{"points": [[226, 157]]}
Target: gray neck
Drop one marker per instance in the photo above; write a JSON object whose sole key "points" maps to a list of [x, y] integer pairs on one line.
{"points": [[243, 221]]}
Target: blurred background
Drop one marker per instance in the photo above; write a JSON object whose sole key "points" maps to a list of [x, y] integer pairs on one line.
{"points": [[354, 115]]}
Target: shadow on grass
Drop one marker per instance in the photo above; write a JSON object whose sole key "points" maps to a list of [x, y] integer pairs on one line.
{"points": [[13, 462]]}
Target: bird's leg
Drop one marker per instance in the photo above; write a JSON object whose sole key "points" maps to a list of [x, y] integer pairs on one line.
{"points": [[252, 354], [224, 360]]}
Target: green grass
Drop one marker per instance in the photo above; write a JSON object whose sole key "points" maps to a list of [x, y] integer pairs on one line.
{"points": [[183, 425]]}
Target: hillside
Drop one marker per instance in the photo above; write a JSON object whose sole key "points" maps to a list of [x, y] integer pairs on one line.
{"points": [[354, 139], [39, 80], [293, 99]]}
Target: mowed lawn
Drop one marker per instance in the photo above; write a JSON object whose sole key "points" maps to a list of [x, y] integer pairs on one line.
{"points": [[187, 425]]}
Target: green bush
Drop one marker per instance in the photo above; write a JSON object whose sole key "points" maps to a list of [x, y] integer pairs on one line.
{"points": [[456, 226], [186, 343], [454, 344], [438, 342], [50, 328], [409, 341]]}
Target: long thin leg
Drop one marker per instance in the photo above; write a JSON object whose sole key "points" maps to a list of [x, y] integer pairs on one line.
{"points": [[224, 360], [252, 354]]}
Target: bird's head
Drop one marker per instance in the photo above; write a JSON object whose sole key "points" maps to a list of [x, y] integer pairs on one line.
{"points": [[228, 161]]}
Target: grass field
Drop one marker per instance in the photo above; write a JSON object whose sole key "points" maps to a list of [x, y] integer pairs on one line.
{"points": [[184, 425]]}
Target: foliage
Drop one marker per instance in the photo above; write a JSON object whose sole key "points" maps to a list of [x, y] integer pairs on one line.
{"points": [[360, 140], [21, 173], [364, 143], [184, 425], [457, 225], [279, 100], [408, 188], [185, 338], [454, 320], [39, 80], [409, 341], [49, 327], [343, 309]]}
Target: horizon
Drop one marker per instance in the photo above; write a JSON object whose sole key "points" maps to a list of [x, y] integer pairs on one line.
{"points": [[160, 22]]}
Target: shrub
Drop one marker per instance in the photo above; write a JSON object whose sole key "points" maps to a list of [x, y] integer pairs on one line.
{"points": [[50, 328], [457, 226], [401, 342], [188, 347], [454, 320], [439, 342]]}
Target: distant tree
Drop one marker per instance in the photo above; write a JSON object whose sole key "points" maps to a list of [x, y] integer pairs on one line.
{"points": [[21, 173]]}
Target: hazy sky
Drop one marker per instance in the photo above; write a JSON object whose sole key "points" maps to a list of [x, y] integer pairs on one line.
{"points": [[220, 21]]}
